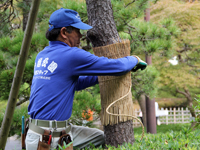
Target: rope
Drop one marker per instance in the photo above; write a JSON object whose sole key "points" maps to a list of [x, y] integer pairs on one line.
{"points": [[115, 49], [134, 117]]}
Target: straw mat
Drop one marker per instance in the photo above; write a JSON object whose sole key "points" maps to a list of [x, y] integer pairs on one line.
{"points": [[113, 88]]}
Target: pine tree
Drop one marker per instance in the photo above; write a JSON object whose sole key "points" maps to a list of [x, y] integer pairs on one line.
{"points": [[145, 37], [181, 79], [9, 51]]}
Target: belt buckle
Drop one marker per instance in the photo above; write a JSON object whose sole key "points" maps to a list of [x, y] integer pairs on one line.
{"points": [[55, 128]]}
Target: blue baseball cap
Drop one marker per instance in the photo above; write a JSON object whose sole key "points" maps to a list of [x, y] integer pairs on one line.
{"points": [[66, 17]]}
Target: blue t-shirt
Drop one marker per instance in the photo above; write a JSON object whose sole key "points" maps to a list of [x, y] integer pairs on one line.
{"points": [[60, 70]]}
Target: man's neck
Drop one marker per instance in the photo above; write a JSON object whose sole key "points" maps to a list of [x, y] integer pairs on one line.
{"points": [[64, 41]]}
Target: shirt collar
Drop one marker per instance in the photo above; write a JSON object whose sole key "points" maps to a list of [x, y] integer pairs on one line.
{"points": [[51, 43]]}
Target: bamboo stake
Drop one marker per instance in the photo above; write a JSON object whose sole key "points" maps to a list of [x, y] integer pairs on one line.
{"points": [[12, 100]]}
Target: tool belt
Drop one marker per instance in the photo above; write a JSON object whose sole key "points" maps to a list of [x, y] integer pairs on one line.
{"points": [[47, 135]]}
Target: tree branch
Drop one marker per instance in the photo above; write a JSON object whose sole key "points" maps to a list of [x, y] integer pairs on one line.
{"points": [[22, 101], [130, 3], [183, 93], [130, 26]]}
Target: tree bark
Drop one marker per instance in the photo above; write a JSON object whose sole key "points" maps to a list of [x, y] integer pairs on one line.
{"points": [[142, 103], [150, 103], [150, 106], [104, 32], [100, 16], [18, 74], [119, 133]]}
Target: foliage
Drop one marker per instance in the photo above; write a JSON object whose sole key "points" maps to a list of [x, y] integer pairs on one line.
{"points": [[197, 107], [164, 128], [77, 5], [9, 52], [8, 14], [186, 73], [24, 5], [176, 75], [5, 30], [83, 101], [45, 10], [173, 136], [150, 38], [16, 121], [144, 82], [64, 146], [144, 36], [125, 11]]}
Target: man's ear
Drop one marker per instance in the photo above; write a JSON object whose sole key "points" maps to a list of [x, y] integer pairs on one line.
{"points": [[63, 33]]}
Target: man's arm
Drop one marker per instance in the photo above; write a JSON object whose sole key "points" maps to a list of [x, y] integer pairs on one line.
{"points": [[85, 63], [86, 81]]}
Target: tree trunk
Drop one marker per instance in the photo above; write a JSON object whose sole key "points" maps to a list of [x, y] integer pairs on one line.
{"points": [[100, 16], [190, 105], [150, 104], [104, 33], [18, 74], [189, 101], [119, 133], [26, 9], [142, 103]]}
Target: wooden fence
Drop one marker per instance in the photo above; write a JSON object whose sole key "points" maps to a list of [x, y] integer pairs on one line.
{"points": [[175, 115]]}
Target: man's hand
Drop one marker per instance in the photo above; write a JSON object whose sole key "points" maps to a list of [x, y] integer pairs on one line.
{"points": [[140, 65]]}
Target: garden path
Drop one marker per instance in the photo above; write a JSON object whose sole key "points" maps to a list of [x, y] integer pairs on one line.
{"points": [[13, 143]]}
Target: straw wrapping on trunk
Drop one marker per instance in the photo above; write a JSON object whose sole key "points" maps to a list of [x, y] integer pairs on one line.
{"points": [[115, 87]]}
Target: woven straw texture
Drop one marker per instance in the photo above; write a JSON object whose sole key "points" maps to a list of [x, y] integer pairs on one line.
{"points": [[113, 88]]}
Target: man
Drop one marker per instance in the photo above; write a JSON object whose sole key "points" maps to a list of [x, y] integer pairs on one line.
{"points": [[60, 69]]}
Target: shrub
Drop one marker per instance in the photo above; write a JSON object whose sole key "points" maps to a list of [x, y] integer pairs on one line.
{"points": [[197, 107], [83, 101], [181, 137], [16, 121]]}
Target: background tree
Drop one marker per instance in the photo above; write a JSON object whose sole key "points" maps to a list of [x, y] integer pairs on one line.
{"points": [[8, 14], [24, 5], [9, 52], [182, 79]]}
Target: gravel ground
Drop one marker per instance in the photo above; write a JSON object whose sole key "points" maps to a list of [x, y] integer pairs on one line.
{"points": [[13, 143]]}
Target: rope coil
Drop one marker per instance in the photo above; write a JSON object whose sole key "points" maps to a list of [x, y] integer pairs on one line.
{"points": [[134, 117]]}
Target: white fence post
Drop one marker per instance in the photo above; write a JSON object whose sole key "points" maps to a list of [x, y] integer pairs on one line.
{"points": [[182, 114], [179, 115], [166, 117], [174, 116]]}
